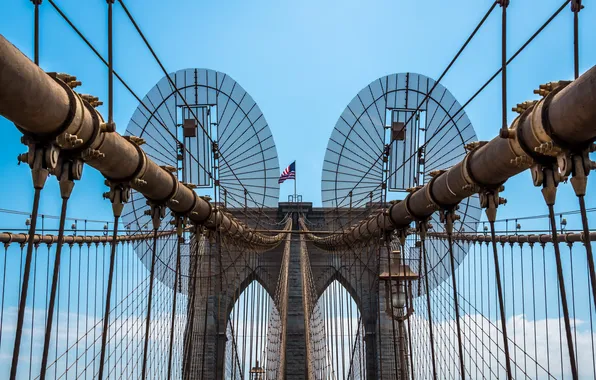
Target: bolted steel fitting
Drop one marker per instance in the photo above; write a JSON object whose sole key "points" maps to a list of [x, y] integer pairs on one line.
{"points": [[576, 5], [42, 159], [169, 168], [436, 173], [119, 194], [522, 107], [414, 189], [25, 158], [89, 98], [92, 100], [108, 127], [548, 149], [470, 147], [522, 161], [70, 80], [92, 154], [139, 182], [67, 140], [157, 213], [545, 89], [135, 140]]}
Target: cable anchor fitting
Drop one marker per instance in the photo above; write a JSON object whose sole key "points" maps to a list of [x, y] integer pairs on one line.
{"points": [[423, 226], [119, 194], [41, 158], [448, 217], [67, 171], [157, 212], [549, 177], [578, 165], [490, 201], [576, 6]]}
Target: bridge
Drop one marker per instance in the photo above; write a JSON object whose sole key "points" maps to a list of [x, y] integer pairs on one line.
{"points": [[404, 271]]}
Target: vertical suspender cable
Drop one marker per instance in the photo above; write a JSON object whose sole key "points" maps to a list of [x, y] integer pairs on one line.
{"points": [[563, 292], [456, 305], [504, 127], [36, 3], [149, 303], [576, 6], [48, 333], [252, 316], [392, 315], [110, 63], [588, 245], [501, 301], [339, 302], [234, 331], [378, 294], [176, 272], [192, 305], [335, 320], [25, 286], [209, 275], [36, 196], [428, 303], [116, 218]]}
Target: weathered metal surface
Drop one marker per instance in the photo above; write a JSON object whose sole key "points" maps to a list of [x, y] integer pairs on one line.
{"points": [[42, 107], [572, 118], [570, 237]]}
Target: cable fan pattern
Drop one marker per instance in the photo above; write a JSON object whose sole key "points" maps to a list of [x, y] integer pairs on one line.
{"points": [[392, 135]]}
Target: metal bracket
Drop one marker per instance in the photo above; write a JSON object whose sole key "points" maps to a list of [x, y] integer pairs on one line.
{"points": [[548, 177], [448, 216], [579, 166], [576, 6], [423, 226], [119, 194], [42, 158], [68, 170], [490, 201], [157, 212]]}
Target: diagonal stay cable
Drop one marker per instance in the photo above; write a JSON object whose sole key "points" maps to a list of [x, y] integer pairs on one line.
{"points": [[121, 80], [175, 87], [457, 55], [515, 55], [521, 49]]}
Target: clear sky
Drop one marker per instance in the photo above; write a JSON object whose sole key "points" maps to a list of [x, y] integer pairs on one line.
{"points": [[302, 62]]}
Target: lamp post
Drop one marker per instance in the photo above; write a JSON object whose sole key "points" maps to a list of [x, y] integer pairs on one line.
{"points": [[256, 372], [398, 296]]}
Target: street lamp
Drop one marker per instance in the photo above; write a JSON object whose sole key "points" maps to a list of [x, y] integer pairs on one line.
{"points": [[256, 372], [398, 287]]}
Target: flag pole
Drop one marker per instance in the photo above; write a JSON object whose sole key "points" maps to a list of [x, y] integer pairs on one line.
{"points": [[295, 178]]}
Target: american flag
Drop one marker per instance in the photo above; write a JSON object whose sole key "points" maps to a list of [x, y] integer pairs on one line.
{"points": [[288, 173]]}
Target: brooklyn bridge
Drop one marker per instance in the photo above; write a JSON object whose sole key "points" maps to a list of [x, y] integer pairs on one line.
{"points": [[410, 266]]}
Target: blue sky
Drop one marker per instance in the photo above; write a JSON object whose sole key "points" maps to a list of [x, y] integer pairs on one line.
{"points": [[302, 62]]}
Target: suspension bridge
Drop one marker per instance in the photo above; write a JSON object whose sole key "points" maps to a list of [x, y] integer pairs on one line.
{"points": [[405, 271]]}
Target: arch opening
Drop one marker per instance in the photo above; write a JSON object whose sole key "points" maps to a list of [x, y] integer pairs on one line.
{"points": [[343, 354], [248, 347]]}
